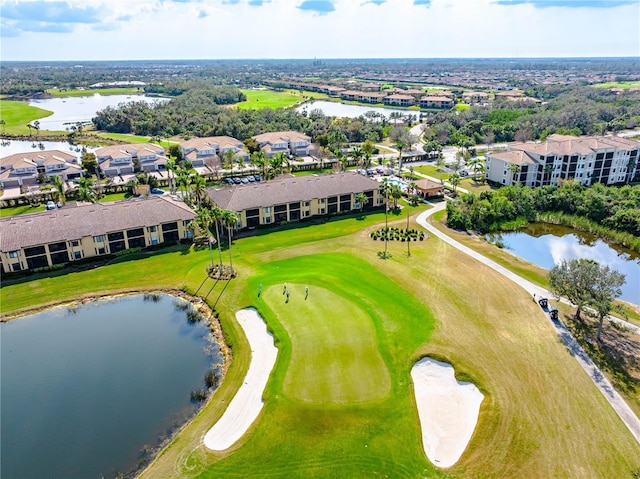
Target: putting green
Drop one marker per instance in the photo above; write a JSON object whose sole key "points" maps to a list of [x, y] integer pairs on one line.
{"points": [[335, 356]]}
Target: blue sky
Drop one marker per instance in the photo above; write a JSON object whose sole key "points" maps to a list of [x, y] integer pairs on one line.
{"points": [[236, 29]]}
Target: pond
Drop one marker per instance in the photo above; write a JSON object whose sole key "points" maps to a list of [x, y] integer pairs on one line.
{"points": [[331, 108], [85, 391], [10, 147], [547, 245], [70, 110]]}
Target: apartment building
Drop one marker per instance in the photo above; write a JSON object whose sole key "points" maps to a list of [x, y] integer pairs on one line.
{"points": [[595, 159], [289, 142], [118, 160], [23, 169], [86, 230]]}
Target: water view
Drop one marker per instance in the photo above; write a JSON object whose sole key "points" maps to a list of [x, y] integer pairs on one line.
{"points": [[331, 108], [11, 147], [84, 392], [70, 110], [547, 245]]}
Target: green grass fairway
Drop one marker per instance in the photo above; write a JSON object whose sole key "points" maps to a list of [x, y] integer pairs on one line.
{"points": [[625, 85], [335, 358], [257, 99], [542, 417], [93, 91], [17, 114]]}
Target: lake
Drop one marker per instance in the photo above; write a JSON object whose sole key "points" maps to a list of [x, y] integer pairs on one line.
{"points": [[69, 110], [11, 147], [84, 391], [547, 245], [331, 108]]}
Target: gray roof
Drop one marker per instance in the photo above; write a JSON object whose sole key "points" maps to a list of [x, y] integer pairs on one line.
{"points": [[87, 219], [289, 189]]}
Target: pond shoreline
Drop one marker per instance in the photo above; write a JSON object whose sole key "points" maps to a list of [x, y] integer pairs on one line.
{"points": [[149, 454]]}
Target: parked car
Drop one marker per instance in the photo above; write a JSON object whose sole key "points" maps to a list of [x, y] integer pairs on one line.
{"points": [[251, 179], [229, 180], [244, 180], [237, 180], [51, 205], [157, 191], [257, 177]]}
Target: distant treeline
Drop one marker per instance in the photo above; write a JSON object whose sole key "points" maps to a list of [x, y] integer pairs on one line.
{"points": [[613, 208], [199, 113]]}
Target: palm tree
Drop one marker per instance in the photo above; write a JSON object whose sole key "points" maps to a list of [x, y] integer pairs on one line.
{"points": [[85, 190], [228, 159], [385, 191], [275, 165], [230, 220], [357, 154], [260, 161], [455, 180], [631, 167], [36, 126], [217, 214], [400, 144], [203, 221], [171, 166], [515, 169], [396, 193], [58, 189], [362, 200], [199, 187]]}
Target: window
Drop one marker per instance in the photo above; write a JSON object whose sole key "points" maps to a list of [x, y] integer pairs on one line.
{"points": [[152, 229], [98, 239], [154, 240], [321, 211], [306, 203], [75, 243], [101, 250], [266, 210], [267, 220], [77, 254], [321, 201], [16, 267], [13, 254]]}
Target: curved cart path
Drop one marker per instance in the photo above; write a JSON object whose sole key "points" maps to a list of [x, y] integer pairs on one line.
{"points": [[601, 382]]}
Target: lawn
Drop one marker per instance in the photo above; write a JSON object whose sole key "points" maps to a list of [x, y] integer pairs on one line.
{"points": [[257, 99], [626, 85], [18, 114], [102, 91], [18, 210], [125, 137], [541, 416]]}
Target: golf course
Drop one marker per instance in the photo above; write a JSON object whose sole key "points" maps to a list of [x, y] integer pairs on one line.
{"points": [[349, 325]]}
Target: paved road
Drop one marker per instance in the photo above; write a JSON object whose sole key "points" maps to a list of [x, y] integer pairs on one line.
{"points": [[601, 382]]}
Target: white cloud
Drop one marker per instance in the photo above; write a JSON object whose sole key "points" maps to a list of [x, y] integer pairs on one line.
{"points": [[163, 29]]}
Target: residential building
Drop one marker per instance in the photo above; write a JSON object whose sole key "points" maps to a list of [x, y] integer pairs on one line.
{"points": [[595, 159], [293, 198], [351, 95], [118, 160], [289, 142], [372, 97], [399, 100], [86, 230], [22, 169], [432, 101], [475, 97], [209, 151]]}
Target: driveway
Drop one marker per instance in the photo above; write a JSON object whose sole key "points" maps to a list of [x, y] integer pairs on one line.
{"points": [[602, 383]]}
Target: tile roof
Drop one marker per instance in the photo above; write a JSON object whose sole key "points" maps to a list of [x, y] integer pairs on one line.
{"points": [[428, 185], [132, 149], [88, 219], [287, 189], [281, 137], [205, 143], [571, 145], [43, 157], [518, 157]]}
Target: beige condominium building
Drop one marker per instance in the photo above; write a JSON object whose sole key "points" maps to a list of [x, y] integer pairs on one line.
{"points": [[594, 159], [294, 198], [85, 230]]}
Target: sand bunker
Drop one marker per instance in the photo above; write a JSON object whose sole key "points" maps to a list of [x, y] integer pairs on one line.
{"points": [[448, 410], [247, 403]]}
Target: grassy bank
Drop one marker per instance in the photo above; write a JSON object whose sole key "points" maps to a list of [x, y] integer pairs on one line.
{"points": [[17, 115], [102, 91], [541, 417], [257, 99]]}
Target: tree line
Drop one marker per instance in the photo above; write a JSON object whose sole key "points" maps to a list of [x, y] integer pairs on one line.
{"points": [[613, 208]]}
